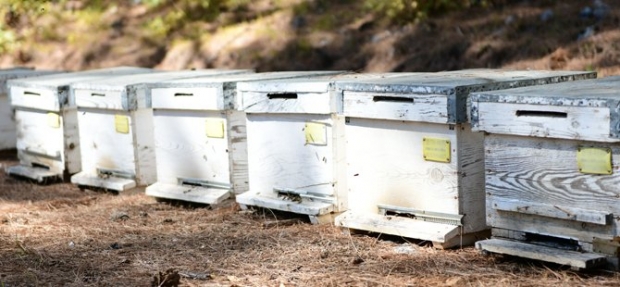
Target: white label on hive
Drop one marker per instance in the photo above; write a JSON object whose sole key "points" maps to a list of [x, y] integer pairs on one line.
{"points": [[214, 128], [53, 120], [121, 124], [436, 149], [316, 133], [592, 160]]}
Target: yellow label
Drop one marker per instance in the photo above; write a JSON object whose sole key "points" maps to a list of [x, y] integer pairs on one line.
{"points": [[592, 160], [53, 120], [215, 128], [316, 133], [435, 149], [121, 123]]}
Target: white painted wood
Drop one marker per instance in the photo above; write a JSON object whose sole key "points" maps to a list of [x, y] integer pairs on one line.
{"points": [[553, 211], [87, 98], [307, 207], [567, 122], [280, 102], [386, 166], [238, 150], [278, 156], [106, 148], [390, 106], [144, 145], [40, 175], [35, 98], [537, 252], [199, 98], [71, 157], [87, 179], [38, 143], [184, 151], [8, 138], [399, 226], [189, 193]]}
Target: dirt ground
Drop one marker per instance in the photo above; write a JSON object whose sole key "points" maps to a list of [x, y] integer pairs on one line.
{"points": [[57, 235]]}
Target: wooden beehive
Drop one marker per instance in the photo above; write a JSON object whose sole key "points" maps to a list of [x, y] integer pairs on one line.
{"points": [[414, 167], [200, 136], [46, 123], [8, 137], [296, 144], [116, 129], [552, 171]]}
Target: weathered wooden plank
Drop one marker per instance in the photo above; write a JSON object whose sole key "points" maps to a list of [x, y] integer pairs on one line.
{"points": [[566, 122], [554, 211], [399, 226], [543, 253], [144, 146], [35, 173], [545, 171], [238, 151], [313, 208], [470, 162], [112, 100], [8, 138], [108, 183], [198, 98], [188, 193], [409, 107]]}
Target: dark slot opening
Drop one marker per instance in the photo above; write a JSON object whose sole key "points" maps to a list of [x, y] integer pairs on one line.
{"points": [[546, 114], [191, 183], [394, 213], [38, 165], [183, 94], [97, 95], [392, 99], [27, 93], [286, 96], [555, 242]]}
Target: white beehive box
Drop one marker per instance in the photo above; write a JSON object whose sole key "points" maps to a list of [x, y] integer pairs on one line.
{"points": [[46, 124], [8, 137], [296, 144], [414, 168], [200, 137], [552, 171], [116, 129]]}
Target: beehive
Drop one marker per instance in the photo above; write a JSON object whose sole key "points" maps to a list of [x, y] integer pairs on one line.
{"points": [[200, 136], [414, 168], [552, 171], [296, 145], [116, 129], [8, 137], [46, 123]]}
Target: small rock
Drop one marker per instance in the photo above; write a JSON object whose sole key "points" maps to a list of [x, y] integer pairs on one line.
{"points": [[125, 261], [71, 244], [119, 215], [324, 254], [404, 249], [357, 261], [546, 15]]}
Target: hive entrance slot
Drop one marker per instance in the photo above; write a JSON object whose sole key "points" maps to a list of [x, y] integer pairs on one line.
{"points": [[28, 93], [423, 215], [38, 165], [204, 183], [393, 99], [285, 96], [544, 114], [106, 173], [555, 242], [97, 95], [183, 94]]}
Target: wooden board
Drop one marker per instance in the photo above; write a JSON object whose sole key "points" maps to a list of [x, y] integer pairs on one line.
{"points": [[183, 149], [8, 138], [312, 208], [38, 142], [547, 254], [197, 194], [409, 107], [567, 122], [88, 179]]}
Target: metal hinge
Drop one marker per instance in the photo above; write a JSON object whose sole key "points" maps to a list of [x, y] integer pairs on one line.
{"points": [[423, 215]]}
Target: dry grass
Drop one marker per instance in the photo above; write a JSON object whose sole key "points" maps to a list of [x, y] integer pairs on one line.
{"points": [[57, 235]]}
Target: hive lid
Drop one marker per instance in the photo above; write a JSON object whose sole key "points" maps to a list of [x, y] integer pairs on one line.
{"points": [[58, 81], [16, 73], [561, 99], [456, 85]]}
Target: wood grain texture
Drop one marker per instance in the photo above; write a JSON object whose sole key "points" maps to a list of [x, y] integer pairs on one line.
{"points": [[278, 156], [144, 146], [34, 98], [385, 165], [578, 123], [99, 99], [545, 172], [102, 146], [183, 149], [238, 151], [8, 137], [422, 108], [302, 103], [38, 142], [471, 178]]}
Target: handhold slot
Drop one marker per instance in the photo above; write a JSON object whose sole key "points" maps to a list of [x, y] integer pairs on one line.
{"points": [[285, 96], [393, 99], [28, 93], [183, 94], [544, 114], [97, 95]]}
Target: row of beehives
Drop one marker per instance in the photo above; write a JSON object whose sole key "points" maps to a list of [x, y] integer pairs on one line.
{"points": [[389, 153]]}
